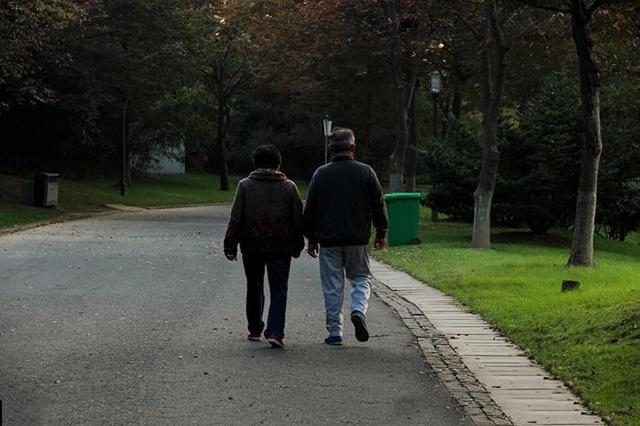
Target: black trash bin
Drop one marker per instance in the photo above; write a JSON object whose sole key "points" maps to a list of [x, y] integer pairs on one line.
{"points": [[45, 189]]}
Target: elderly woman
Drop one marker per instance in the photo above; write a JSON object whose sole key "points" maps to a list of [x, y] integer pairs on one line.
{"points": [[266, 221]]}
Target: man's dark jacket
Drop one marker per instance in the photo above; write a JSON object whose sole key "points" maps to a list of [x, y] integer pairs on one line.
{"points": [[266, 216], [345, 197]]}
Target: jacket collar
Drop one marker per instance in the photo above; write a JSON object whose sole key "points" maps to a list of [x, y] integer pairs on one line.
{"points": [[342, 157], [267, 174]]}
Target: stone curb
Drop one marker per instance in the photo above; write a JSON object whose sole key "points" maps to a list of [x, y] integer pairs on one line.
{"points": [[465, 388], [125, 208], [493, 379]]}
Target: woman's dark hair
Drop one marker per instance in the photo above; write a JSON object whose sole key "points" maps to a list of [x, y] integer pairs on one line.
{"points": [[267, 157]]}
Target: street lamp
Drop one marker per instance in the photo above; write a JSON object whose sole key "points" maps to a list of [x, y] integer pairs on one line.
{"points": [[123, 176], [326, 126], [436, 85]]}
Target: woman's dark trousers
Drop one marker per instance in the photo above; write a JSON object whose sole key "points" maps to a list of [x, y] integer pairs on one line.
{"points": [[277, 266]]}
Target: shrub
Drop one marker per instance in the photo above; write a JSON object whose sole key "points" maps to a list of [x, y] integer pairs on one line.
{"points": [[540, 162], [539, 168], [454, 164], [618, 211]]}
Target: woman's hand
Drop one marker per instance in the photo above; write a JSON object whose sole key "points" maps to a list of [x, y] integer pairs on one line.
{"points": [[313, 249]]}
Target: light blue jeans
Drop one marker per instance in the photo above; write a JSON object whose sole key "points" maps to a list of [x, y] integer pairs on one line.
{"points": [[335, 263]]}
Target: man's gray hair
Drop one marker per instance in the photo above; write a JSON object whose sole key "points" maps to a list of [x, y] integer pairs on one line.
{"points": [[341, 139]]}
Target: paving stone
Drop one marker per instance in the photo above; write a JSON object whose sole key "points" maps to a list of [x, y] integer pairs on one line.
{"points": [[492, 378]]}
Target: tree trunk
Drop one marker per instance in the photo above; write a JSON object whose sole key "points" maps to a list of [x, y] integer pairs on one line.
{"points": [[398, 156], [456, 102], [396, 170], [434, 139], [411, 157], [404, 77], [223, 168], [127, 149], [368, 126], [492, 91], [483, 196], [584, 226]]}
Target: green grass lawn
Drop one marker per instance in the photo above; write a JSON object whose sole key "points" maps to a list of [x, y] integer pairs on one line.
{"points": [[12, 214], [590, 338], [91, 195], [151, 191]]}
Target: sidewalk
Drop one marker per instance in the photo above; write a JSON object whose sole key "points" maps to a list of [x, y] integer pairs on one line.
{"points": [[454, 339]]}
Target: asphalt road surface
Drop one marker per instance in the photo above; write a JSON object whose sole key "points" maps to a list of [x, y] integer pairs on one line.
{"points": [[138, 318]]}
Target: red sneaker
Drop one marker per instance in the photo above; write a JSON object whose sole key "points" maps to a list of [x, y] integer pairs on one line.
{"points": [[274, 341], [254, 337]]}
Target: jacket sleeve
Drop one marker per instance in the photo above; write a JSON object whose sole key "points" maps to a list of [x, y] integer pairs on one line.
{"points": [[234, 228], [378, 208], [296, 212], [310, 212]]}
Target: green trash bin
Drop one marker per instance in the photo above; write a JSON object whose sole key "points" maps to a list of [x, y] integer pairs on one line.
{"points": [[404, 217]]}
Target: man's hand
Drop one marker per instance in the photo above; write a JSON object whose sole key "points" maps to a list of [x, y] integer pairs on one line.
{"points": [[313, 250], [379, 243], [231, 255]]}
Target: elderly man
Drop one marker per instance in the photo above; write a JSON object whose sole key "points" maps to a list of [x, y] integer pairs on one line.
{"points": [[344, 197]]}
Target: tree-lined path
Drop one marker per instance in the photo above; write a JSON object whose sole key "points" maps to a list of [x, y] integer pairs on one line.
{"points": [[138, 319]]}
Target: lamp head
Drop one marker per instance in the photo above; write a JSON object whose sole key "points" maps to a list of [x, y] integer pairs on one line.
{"points": [[436, 82], [326, 126]]}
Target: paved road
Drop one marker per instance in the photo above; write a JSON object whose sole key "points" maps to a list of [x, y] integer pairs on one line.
{"points": [[138, 319]]}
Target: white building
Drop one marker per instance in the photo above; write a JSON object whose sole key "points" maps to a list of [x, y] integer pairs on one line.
{"points": [[168, 160]]}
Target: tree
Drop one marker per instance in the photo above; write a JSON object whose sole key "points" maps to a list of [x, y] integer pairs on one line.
{"points": [[541, 156], [492, 74], [137, 51], [492, 88], [404, 66], [226, 65], [582, 244], [582, 14], [618, 211], [80, 61], [30, 35], [368, 35], [411, 156], [488, 22]]}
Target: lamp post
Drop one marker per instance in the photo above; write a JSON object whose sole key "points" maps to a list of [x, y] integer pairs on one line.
{"points": [[326, 127], [436, 85], [123, 176]]}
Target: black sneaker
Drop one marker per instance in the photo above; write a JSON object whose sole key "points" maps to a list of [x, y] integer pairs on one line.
{"points": [[334, 340], [357, 318]]}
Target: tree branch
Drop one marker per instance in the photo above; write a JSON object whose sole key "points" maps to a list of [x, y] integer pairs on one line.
{"points": [[535, 4], [231, 80], [471, 26], [392, 14], [501, 53], [596, 4], [413, 78]]}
